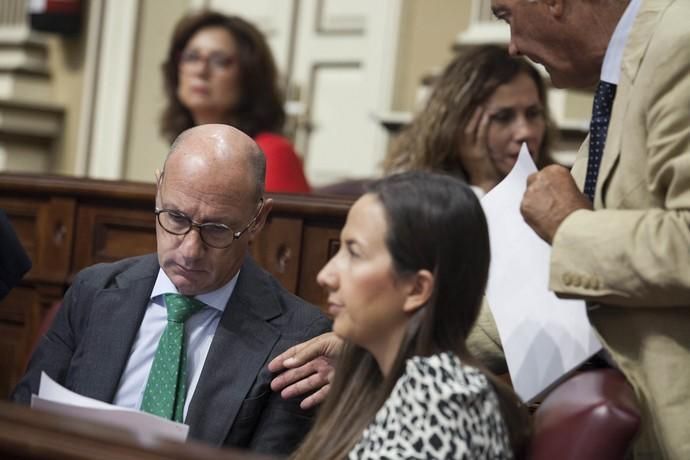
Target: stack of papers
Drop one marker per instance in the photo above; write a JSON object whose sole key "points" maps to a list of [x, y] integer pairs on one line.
{"points": [[147, 427]]}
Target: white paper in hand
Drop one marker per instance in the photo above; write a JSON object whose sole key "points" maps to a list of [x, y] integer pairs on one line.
{"points": [[54, 397], [543, 337]]}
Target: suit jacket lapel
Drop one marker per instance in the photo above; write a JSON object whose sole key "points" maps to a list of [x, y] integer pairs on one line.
{"points": [[579, 169], [636, 46], [115, 319], [240, 349]]}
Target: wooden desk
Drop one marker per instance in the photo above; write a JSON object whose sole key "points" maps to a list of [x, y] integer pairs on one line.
{"points": [[66, 224], [26, 434]]}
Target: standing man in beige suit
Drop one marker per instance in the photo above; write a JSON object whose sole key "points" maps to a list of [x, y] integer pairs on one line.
{"points": [[624, 244]]}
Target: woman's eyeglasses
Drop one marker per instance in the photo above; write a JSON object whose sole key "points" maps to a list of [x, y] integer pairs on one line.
{"points": [[216, 60]]}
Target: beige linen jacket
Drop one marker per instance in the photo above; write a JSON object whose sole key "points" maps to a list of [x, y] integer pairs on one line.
{"points": [[630, 257]]}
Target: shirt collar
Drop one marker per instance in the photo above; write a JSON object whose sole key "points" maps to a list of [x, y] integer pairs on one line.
{"points": [[611, 70], [217, 299]]}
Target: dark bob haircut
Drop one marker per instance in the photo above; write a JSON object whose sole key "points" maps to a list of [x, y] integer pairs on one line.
{"points": [[260, 107]]}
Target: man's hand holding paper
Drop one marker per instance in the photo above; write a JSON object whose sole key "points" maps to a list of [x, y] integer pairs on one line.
{"points": [[551, 196]]}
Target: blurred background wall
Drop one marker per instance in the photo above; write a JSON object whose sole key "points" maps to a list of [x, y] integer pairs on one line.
{"points": [[87, 102]]}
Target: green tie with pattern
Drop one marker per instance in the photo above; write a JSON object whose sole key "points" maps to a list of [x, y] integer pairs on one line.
{"points": [[166, 387]]}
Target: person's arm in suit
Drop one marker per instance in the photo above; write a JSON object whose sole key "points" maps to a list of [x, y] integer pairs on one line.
{"points": [[55, 350], [14, 262], [283, 424], [308, 378], [484, 342], [638, 254]]}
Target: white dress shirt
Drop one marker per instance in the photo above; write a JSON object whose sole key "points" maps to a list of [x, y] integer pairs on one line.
{"points": [[199, 331], [611, 69]]}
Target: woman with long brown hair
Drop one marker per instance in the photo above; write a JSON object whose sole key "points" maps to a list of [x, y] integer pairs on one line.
{"points": [[405, 289], [219, 69], [483, 106]]}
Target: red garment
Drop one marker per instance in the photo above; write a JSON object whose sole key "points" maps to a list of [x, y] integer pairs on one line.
{"points": [[284, 172]]}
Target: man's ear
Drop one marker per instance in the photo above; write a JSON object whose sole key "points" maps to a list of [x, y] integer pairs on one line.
{"points": [[420, 289], [159, 180], [261, 218]]}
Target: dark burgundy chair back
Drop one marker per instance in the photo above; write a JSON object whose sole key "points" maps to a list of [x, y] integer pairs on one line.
{"points": [[593, 415]]}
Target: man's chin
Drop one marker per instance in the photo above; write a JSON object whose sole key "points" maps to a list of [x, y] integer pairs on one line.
{"points": [[185, 287], [185, 282]]}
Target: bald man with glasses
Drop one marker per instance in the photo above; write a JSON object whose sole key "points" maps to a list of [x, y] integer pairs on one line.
{"points": [[186, 333]]}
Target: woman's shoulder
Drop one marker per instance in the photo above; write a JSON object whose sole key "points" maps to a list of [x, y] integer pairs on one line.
{"points": [[270, 141], [442, 375], [439, 408], [284, 170]]}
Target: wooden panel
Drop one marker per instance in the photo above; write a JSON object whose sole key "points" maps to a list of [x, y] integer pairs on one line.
{"points": [[18, 311], [336, 101], [13, 307], [55, 229], [32, 185], [45, 228], [346, 18], [27, 434], [107, 234], [325, 243], [278, 249], [344, 61]]}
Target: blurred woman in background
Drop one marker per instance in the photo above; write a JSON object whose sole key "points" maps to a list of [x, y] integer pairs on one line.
{"points": [[219, 69], [483, 106]]}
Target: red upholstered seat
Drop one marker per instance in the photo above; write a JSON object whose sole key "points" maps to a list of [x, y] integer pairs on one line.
{"points": [[593, 415]]}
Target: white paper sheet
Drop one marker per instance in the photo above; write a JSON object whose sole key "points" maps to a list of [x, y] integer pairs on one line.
{"points": [[543, 337], [55, 398]]}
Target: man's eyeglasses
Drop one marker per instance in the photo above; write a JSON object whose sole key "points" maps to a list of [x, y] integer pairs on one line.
{"points": [[215, 235], [216, 60]]}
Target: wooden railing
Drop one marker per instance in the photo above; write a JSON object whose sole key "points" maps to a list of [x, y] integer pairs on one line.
{"points": [[66, 224], [26, 434]]}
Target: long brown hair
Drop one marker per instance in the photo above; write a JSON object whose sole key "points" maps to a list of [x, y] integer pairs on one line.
{"points": [[431, 141], [261, 102], [435, 222]]}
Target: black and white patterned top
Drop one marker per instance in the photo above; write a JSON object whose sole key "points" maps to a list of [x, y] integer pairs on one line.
{"points": [[438, 409]]}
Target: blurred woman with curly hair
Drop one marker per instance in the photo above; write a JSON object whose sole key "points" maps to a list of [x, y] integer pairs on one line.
{"points": [[483, 106]]}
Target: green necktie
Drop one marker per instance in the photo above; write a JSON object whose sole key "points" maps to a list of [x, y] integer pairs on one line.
{"points": [[166, 387]]}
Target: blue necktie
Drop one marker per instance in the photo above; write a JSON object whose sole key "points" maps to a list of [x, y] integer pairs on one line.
{"points": [[598, 127]]}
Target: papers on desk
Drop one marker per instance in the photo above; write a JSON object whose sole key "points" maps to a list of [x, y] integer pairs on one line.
{"points": [[544, 337], [55, 398]]}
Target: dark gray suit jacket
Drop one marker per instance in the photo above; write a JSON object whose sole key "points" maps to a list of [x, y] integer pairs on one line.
{"points": [[90, 341]]}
